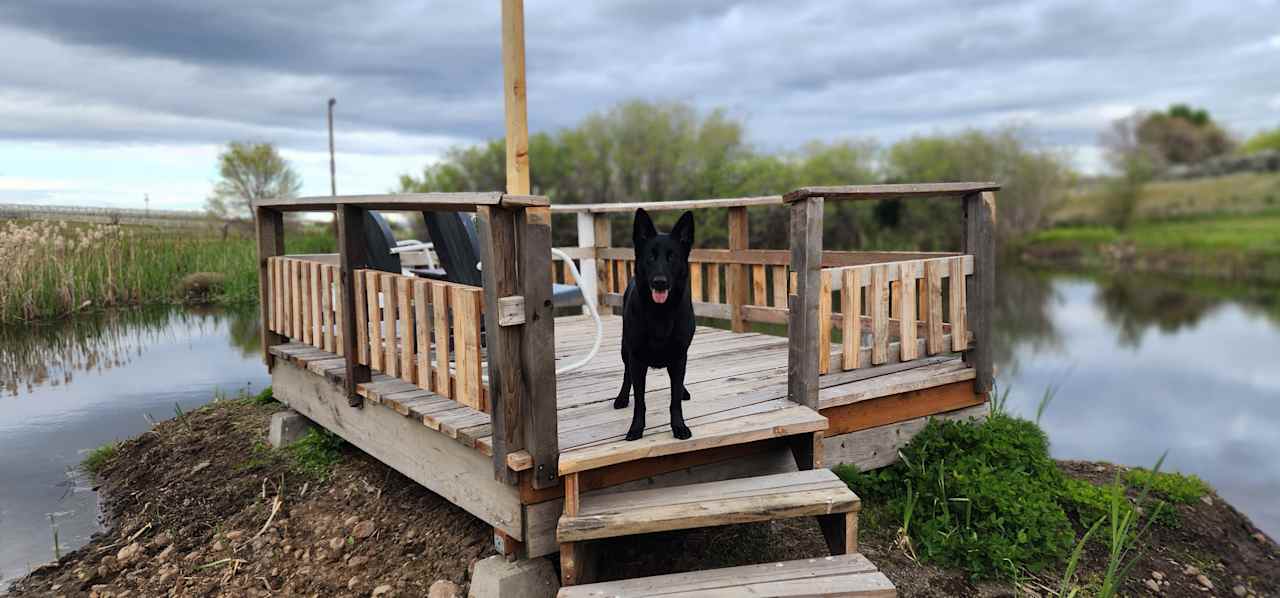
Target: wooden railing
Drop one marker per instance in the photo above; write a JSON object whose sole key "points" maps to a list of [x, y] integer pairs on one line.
{"points": [[425, 332]]}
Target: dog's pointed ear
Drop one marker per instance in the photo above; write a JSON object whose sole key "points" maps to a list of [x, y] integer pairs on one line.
{"points": [[643, 229], [683, 231]]}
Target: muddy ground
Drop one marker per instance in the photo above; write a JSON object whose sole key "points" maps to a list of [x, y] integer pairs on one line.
{"points": [[190, 509]]}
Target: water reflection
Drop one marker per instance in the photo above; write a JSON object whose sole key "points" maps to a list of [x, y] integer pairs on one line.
{"points": [[74, 385], [33, 355], [1145, 364]]}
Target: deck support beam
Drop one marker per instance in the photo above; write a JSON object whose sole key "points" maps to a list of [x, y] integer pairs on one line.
{"points": [[270, 224], [802, 320], [979, 241], [353, 256], [507, 392], [538, 347]]}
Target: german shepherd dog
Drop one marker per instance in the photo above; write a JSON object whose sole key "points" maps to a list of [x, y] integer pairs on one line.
{"points": [[657, 318]]}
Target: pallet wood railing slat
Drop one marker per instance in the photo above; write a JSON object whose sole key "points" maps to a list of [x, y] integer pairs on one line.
{"points": [[758, 286], [326, 305], [270, 229], [713, 283], [958, 292], [932, 303], [802, 344], [695, 280], [353, 257], [979, 241], [422, 319], [372, 289], [404, 308], [362, 319], [738, 274], [878, 308], [466, 343], [390, 334], [779, 286], [906, 300], [440, 314], [824, 323], [317, 316], [851, 328], [602, 237], [295, 294], [538, 348]]}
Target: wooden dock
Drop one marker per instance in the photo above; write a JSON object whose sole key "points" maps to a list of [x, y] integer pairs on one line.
{"points": [[455, 386]]}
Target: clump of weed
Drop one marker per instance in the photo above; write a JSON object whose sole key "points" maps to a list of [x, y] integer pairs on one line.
{"points": [[317, 452], [99, 457], [264, 397], [984, 496], [1174, 487]]}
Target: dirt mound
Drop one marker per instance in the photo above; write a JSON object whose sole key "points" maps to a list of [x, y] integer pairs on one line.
{"points": [[190, 506]]}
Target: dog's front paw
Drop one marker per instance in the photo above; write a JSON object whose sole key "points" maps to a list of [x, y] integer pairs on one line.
{"points": [[621, 402], [681, 431], [635, 433]]}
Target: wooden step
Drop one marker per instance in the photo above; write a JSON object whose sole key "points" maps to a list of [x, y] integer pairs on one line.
{"points": [[796, 494], [786, 420], [844, 575]]}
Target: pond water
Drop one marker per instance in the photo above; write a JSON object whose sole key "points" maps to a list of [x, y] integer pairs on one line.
{"points": [[72, 386], [1140, 366]]}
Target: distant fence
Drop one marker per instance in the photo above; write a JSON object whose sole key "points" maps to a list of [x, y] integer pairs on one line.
{"points": [[107, 215]]}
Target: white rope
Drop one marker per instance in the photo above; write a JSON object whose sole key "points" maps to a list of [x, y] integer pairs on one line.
{"points": [[591, 307]]}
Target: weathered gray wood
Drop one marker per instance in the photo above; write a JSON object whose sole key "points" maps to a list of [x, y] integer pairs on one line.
{"points": [[354, 257], [802, 330], [657, 206], [270, 225], [849, 575], [507, 392], [878, 447], [538, 343], [459, 474], [914, 379], [877, 192], [979, 241], [511, 310], [761, 498], [467, 201]]}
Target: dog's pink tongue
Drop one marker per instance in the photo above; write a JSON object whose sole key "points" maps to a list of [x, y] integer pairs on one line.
{"points": [[660, 296]]}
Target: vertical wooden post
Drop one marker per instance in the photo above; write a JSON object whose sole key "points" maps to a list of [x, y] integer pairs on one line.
{"points": [[507, 395], [738, 281], [514, 84], [587, 267], [802, 317], [603, 234], [353, 255], [979, 241], [270, 225], [538, 346]]}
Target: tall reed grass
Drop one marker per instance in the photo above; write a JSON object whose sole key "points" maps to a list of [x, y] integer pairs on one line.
{"points": [[53, 269]]}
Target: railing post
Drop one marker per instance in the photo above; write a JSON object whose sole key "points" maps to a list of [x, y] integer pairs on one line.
{"points": [[353, 254], [270, 225], [587, 238], [507, 393], [802, 316], [738, 282], [538, 360], [603, 238], [979, 241]]}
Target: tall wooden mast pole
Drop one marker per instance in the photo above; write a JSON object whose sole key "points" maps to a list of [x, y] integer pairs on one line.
{"points": [[514, 85]]}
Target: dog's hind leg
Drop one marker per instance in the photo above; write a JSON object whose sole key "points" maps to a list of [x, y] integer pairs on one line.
{"points": [[679, 394], [624, 395], [637, 377]]}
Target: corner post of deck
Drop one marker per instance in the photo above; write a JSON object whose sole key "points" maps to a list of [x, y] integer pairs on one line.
{"points": [[979, 241], [270, 225], [602, 233], [587, 239], [738, 281], [353, 255], [802, 313], [538, 343], [507, 394]]}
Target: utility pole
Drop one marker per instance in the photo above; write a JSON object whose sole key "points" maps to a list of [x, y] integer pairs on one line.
{"points": [[333, 182], [146, 200]]}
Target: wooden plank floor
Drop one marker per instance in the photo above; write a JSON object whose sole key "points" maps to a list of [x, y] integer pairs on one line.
{"points": [[732, 378]]}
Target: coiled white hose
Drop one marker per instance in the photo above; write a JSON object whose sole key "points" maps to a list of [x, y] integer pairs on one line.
{"points": [[591, 307]]}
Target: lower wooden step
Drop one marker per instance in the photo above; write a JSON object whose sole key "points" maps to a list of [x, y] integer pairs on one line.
{"points": [[843, 575], [796, 494]]}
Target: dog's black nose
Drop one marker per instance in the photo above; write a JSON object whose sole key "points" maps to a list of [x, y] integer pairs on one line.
{"points": [[659, 283]]}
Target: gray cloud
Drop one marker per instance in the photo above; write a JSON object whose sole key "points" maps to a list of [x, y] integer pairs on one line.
{"points": [[201, 71]]}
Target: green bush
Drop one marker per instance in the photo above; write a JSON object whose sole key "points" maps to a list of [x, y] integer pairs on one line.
{"points": [[99, 457], [265, 397], [983, 497], [317, 452]]}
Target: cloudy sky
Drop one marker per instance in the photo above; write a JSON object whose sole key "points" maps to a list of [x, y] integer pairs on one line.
{"points": [[103, 101]]}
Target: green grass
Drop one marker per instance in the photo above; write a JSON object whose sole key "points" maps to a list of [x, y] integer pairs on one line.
{"points": [[1237, 193], [99, 457], [56, 269], [1256, 233], [1175, 487], [264, 397], [317, 452]]}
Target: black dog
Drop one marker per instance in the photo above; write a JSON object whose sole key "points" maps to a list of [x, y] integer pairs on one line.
{"points": [[657, 317]]}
